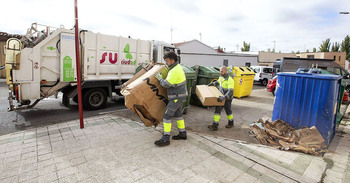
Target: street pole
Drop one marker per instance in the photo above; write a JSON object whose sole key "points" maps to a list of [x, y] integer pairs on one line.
{"points": [[77, 54]]}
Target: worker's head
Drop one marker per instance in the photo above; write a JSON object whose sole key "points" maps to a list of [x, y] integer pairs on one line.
{"points": [[170, 58], [223, 71]]}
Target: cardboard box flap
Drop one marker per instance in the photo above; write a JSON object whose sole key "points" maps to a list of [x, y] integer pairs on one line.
{"points": [[145, 116]]}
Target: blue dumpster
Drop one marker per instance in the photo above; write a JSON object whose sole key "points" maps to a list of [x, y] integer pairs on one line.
{"points": [[308, 99]]}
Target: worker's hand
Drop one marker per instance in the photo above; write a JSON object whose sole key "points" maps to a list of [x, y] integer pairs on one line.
{"points": [[158, 75], [209, 84], [221, 98]]}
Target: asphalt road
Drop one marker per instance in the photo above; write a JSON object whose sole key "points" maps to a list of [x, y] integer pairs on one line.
{"points": [[48, 111]]}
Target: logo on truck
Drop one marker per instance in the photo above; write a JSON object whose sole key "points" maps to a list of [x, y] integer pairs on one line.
{"points": [[113, 57]]}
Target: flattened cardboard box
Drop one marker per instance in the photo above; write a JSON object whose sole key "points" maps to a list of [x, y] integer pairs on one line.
{"points": [[146, 97], [209, 95]]}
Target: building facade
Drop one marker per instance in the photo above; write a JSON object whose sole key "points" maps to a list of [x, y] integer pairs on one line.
{"points": [[197, 53], [268, 58]]}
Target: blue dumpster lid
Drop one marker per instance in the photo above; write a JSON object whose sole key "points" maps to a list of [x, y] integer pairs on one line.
{"points": [[307, 75]]}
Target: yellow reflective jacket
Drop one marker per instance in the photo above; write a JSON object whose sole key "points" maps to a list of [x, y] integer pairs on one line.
{"points": [[175, 82]]}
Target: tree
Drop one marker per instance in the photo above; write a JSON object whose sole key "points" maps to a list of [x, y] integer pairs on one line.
{"points": [[246, 46], [335, 47], [307, 51], [314, 50], [324, 47], [345, 46]]}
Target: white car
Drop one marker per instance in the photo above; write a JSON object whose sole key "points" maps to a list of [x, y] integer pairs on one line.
{"points": [[262, 74]]}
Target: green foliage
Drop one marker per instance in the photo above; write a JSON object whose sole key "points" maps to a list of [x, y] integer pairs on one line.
{"points": [[314, 50], [335, 47], [345, 46], [246, 46], [324, 47]]}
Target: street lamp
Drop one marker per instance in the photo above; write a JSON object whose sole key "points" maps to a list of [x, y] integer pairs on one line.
{"points": [[344, 12]]}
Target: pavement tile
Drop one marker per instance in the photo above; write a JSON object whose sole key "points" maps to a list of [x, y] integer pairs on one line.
{"points": [[27, 176], [9, 179], [65, 172], [48, 177], [316, 168]]}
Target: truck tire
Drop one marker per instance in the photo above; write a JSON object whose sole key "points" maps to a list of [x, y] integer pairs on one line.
{"points": [[75, 99], [264, 82], [95, 98]]}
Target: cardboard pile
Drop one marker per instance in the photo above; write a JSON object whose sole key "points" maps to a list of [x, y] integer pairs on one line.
{"points": [[208, 95], [145, 96], [280, 134]]}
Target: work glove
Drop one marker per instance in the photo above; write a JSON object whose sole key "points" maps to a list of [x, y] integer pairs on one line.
{"points": [[221, 98], [158, 76]]}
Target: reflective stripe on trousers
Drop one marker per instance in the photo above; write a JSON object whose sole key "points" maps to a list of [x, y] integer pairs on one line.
{"points": [[228, 111]]}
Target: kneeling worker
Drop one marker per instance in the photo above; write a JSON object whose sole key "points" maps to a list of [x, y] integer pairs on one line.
{"points": [[226, 88], [175, 83]]}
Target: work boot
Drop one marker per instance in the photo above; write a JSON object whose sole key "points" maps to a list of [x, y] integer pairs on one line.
{"points": [[230, 124], [180, 136], [213, 127], [164, 141]]}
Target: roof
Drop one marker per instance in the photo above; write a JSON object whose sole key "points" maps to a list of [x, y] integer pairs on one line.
{"points": [[194, 40]]}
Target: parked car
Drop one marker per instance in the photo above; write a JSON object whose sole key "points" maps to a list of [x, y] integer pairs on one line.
{"points": [[271, 86], [262, 74]]}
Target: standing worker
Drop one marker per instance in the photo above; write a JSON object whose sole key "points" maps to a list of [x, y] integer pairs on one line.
{"points": [[175, 83], [226, 88]]}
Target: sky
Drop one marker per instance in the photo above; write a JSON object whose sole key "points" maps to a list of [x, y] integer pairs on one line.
{"points": [[286, 25]]}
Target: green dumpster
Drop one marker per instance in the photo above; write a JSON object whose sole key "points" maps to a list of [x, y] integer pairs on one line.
{"points": [[205, 75], [190, 79]]}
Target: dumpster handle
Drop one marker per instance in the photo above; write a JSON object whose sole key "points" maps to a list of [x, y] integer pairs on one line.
{"points": [[308, 71]]}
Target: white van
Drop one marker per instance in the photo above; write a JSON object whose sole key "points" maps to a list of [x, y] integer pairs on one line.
{"points": [[262, 74]]}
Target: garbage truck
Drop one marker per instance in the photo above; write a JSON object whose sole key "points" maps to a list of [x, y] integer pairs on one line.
{"points": [[43, 63]]}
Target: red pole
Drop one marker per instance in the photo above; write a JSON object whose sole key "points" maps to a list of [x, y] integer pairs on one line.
{"points": [[80, 103]]}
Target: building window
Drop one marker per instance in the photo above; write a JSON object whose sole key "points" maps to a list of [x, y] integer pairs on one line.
{"points": [[334, 57], [339, 58], [310, 56], [247, 64], [225, 62]]}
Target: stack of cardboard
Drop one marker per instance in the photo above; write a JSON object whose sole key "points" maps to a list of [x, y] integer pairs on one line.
{"points": [[145, 96], [280, 134]]}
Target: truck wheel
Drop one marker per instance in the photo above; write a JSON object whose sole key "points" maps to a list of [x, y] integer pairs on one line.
{"points": [[264, 82], [75, 99], [95, 98]]}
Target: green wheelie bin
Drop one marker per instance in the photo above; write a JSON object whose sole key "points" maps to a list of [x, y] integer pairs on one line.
{"points": [[190, 79], [205, 75]]}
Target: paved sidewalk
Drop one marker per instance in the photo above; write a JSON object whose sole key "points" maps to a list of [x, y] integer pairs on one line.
{"points": [[116, 149]]}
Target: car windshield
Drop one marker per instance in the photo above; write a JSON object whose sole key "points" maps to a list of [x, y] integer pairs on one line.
{"points": [[256, 70]]}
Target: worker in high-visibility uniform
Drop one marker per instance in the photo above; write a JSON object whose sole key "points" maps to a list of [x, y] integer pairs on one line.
{"points": [[226, 84], [175, 82]]}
